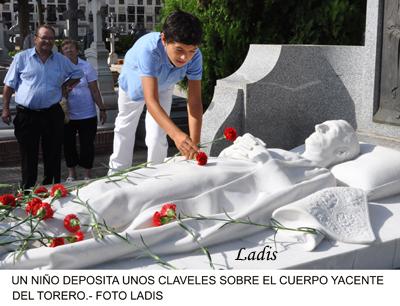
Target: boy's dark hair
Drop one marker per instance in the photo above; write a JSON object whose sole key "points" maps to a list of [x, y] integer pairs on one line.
{"points": [[183, 27]]}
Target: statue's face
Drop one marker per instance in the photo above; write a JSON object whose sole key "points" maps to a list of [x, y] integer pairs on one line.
{"points": [[330, 143], [324, 137]]}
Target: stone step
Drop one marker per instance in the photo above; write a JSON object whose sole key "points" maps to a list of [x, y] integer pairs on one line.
{"points": [[9, 151], [384, 141]]}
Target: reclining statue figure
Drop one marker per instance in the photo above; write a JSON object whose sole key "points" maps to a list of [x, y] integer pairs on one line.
{"points": [[247, 181]]}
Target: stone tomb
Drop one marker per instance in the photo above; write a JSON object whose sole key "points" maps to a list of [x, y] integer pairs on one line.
{"points": [[281, 91]]}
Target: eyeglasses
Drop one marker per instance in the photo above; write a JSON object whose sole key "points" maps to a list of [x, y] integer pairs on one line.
{"points": [[45, 38]]}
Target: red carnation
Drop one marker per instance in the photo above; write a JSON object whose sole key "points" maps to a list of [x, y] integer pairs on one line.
{"points": [[71, 223], [157, 219], [7, 200], [168, 210], [32, 206], [56, 242], [42, 192], [58, 191], [45, 211], [201, 158], [230, 134], [79, 236], [166, 215], [19, 197]]}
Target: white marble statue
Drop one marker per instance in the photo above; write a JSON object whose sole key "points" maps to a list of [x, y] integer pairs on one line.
{"points": [[247, 181], [333, 142]]}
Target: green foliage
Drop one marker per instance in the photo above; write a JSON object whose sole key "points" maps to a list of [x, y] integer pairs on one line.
{"points": [[330, 22], [58, 43], [124, 43], [12, 53], [230, 26]]}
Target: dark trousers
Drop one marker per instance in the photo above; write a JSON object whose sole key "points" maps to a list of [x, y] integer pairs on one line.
{"points": [[32, 127], [86, 129]]}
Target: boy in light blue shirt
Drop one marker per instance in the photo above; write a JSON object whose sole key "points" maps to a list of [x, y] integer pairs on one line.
{"points": [[152, 67]]}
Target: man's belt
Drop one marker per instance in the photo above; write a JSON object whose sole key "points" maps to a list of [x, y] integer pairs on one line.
{"points": [[39, 110]]}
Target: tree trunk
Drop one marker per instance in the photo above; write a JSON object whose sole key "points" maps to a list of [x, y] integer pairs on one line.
{"points": [[73, 19], [23, 18], [40, 12]]}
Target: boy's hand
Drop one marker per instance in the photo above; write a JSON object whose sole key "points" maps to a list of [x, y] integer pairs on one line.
{"points": [[186, 146]]}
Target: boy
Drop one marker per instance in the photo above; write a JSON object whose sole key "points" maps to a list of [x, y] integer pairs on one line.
{"points": [[152, 67]]}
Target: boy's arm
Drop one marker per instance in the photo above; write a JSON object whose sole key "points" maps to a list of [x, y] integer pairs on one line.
{"points": [[185, 145], [195, 109]]}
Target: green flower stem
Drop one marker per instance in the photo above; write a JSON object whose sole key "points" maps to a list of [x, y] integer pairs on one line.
{"points": [[95, 228], [275, 226], [5, 185], [27, 239], [193, 234], [122, 172], [18, 224], [7, 214], [31, 238], [7, 208], [99, 230], [203, 145], [172, 157], [156, 258], [25, 245]]}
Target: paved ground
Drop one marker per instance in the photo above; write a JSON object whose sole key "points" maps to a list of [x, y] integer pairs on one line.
{"points": [[12, 175]]}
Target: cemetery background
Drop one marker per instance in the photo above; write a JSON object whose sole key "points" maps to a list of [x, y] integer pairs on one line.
{"points": [[231, 26]]}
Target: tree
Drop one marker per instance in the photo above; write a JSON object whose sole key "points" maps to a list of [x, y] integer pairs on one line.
{"points": [[40, 8], [72, 16], [23, 18], [230, 26], [23, 15]]}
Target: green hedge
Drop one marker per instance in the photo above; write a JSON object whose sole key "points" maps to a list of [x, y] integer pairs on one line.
{"points": [[230, 26]]}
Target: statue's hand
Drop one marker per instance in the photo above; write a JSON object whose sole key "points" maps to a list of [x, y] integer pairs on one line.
{"points": [[246, 147]]}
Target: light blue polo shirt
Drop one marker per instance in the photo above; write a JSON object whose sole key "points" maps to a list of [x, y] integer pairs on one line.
{"points": [[37, 84], [80, 101], [148, 57]]}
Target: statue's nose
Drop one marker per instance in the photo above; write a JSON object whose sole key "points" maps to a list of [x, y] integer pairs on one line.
{"points": [[322, 128]]}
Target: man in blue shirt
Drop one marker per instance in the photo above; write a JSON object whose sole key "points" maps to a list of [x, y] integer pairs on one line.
{"points": [[152, 67], [38, 77]]}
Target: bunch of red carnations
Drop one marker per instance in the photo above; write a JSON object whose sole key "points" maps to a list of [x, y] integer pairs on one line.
{"points": [[37, 205]]}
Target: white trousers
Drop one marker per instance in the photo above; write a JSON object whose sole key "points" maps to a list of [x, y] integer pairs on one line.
{"points": [[125, 128]]}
